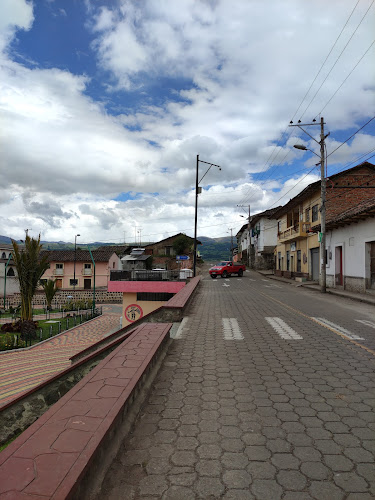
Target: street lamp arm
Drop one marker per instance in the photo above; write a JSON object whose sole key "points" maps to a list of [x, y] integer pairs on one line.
{"points": [[308, 134], [304, 148], [211, 165]]}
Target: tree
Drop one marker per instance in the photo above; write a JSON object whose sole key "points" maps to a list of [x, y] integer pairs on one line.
{"points": [[50, 290], [181, 244], [30, 268]]}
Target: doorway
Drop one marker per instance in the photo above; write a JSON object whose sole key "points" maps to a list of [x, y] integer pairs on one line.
{"points": [[338, 266], [372, 264], [314, 252], [58, 283], [87, 284]]}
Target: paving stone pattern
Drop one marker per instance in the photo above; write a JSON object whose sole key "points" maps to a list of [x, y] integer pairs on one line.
{"points": [[262, 418], [24, 369]]}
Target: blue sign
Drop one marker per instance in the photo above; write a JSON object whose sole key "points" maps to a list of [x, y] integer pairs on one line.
{"points": [[182, 257]]}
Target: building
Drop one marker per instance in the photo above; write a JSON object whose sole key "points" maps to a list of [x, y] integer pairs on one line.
{"points": [[263, 229], [164, 254], [242, 238], [8, 279], [298, 226], [63, 262]]}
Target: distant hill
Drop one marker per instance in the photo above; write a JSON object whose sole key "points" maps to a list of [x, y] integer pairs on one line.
{"points": [[215, 249], [212, 249]]}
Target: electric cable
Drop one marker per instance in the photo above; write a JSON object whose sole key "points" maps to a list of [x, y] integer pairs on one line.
{"points": [[363, 126]]}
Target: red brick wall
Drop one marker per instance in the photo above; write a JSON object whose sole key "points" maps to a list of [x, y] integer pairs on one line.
{"points": [[341, 199]]}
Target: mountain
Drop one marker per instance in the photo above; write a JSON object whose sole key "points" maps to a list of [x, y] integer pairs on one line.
{"points": [[212, 249], [215, 249]]}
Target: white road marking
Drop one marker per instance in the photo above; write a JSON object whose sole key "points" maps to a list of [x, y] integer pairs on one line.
{"points": [[224, 284], [231, 329], [181, 328], [338, 328], [285, 331], [252, 279], [366, 322], [266, 280]]}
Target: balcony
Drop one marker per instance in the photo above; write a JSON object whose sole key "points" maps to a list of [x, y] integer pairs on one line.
{"points": [[87, 271], [147, 275], [296, 232], [58, 272]]}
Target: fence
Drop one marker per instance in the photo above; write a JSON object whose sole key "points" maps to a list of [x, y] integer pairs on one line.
{"points": [[54, 324]]}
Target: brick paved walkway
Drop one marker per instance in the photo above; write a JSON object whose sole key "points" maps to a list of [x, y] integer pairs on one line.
{"points": [[22, 370], [256, 400]]}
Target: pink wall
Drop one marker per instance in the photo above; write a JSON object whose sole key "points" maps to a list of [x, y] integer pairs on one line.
{"points": [[101, 273]]}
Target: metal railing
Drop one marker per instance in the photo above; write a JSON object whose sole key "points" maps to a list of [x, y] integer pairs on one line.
{"points": [[147, 275], [298, 230]]}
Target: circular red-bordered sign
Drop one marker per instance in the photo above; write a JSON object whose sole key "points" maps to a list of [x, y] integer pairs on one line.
{"points": [[133, 312]]}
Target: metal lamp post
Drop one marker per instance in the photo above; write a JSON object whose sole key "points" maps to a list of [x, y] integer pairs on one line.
{"points": [[75, 258], [197, 191]]}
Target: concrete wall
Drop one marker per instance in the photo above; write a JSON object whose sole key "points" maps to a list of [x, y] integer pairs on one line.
{"points": [[354, 240]]}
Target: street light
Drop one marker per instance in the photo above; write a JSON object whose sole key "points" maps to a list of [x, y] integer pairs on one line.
{"points": [[304, 148], [75, 258], [197, 191]]}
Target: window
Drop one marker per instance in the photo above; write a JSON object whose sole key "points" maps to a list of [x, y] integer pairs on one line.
{"points": [[73, 282], [288, 260], [87, 266], [279, 226], [307, 215], [3, 255], [114, 264], [314, 213], [10, 272], [298, 261], [59, 266], [168, 250], [279, 259], [154, 297], [43, 282]]}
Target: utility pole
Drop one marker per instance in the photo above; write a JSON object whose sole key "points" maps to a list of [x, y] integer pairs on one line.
{"points": [[248, 230], [198, 190], [231, 242], [323, 276], [322, 239]]}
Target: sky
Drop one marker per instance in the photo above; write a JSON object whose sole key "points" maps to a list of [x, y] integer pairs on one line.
{"points": [[105, 105]]}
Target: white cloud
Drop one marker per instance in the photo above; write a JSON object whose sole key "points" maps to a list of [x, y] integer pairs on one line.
{"points": [[241, 70]]}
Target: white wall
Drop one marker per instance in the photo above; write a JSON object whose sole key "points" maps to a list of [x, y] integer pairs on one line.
{"points": [[353, 239], [268, 233]]}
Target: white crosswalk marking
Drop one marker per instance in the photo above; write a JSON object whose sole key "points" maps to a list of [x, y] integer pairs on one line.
{"points": [[284, 330], [181, 328], [338, 328], [366, 322], [231, 329]]}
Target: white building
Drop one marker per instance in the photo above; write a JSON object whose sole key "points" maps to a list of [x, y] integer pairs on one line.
{"points": [[11, 282], [350, 242], [263, 229]]}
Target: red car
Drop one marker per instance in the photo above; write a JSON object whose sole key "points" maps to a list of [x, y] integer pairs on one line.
{"points": [[226, 268]]}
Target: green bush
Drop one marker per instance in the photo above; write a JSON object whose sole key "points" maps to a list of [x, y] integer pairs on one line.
{"points": [[7, 341]]}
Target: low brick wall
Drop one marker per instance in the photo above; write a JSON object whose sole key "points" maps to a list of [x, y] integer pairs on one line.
{"points": [[102, 296], [66, 453]]}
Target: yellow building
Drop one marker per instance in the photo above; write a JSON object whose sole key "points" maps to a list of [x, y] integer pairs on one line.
{"points": [[297, 250]]}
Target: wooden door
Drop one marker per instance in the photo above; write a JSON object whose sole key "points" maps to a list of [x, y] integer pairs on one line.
{"points": [[338, 266]]}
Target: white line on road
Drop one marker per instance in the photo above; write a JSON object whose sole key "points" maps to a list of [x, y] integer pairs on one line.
{"points": [[231, 329], [252, 279], [225, 284], [366, 322], [338, 328], [284, 330], [181, 328], [266, 280]]}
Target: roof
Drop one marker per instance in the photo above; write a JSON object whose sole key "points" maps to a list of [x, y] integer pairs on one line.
{"points": [[315, 186], [80, 255], [118, 249], [135, 257], [269, 214], [241, 230], [172, 238], [361, 211]]}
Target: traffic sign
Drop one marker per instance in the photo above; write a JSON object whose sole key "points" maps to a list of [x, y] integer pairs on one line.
{"points": [[182, 257]]}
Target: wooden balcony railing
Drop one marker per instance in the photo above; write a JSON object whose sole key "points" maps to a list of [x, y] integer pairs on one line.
{"points": [[295, 232]]}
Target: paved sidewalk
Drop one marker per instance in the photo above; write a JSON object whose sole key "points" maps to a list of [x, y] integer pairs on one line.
{"points": [[24, 369], [367, 298], [254, 400]]}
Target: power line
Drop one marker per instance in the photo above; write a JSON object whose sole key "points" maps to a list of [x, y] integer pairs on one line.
{"points": [[324, 107], [325, 60], [338, 58], [338, 147]]}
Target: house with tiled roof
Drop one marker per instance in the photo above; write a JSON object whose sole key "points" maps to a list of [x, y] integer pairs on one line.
{"points": [[8, 272], [75, 269], [350, 231]]}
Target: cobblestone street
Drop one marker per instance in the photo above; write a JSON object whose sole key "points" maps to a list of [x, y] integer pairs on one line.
{"points": [[267, 392]]}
